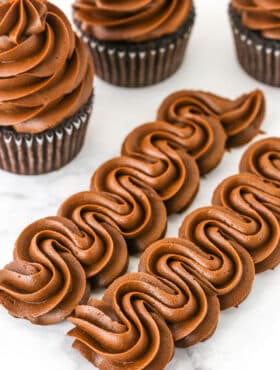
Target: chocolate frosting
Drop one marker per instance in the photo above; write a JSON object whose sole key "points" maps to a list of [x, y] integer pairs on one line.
{"points": [[183, 280], [45, 282], [241, 118], [263, 159], [106, 256], [192, 311], [220, 264], [154, 153], [262, 16], [46, 71], [138, 214], [124, 329], [127, 329], [133, 21], [258, 204]]}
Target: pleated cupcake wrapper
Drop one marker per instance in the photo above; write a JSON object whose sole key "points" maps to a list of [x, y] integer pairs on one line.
{"points": [[259, 58], [138, 67], [31, 154]]}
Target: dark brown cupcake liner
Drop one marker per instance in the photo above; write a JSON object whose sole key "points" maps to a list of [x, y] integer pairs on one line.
{"points": [[139, 64], [258, 56], [34, 154]]}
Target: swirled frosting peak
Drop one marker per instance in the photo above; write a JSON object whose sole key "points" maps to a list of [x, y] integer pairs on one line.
{"points": [[46, 73], [135, 20], [20, 19], [260, 15]]}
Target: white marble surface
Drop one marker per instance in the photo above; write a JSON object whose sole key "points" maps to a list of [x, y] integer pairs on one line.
{"points": [[247, 337]]}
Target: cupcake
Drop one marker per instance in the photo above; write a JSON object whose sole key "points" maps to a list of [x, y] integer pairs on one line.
{"points": [[135, 43], [256, 30], [46, 77]]}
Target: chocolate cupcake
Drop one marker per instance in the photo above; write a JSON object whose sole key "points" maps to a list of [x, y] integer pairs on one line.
{"points": [[135, 43], [45, 88], [256, 30]]}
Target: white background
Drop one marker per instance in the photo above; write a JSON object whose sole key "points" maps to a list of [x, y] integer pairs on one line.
{"points": [[247, 337]]}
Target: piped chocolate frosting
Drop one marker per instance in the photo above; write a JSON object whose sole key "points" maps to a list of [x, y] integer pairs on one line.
{"points": [[46, 72], [262, 16], [186, 281], [45, 282], [132, 21], [240, 118]]}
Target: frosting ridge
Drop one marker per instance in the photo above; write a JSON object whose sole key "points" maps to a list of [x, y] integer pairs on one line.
{"points": [[262, 16], [45, 282], [134, 21], [240, 118]]}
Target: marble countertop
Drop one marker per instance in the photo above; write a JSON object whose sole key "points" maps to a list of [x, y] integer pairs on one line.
{"points": [[247, 337]]}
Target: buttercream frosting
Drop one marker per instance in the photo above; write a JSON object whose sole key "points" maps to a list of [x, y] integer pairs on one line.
{"points": [[262, 16], [46, 72], [45, 282], [241, 118], [263, 159], [133, 21]]}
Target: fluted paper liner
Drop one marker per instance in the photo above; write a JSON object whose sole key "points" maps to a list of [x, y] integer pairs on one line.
{"points": [[259, 57], [143, 64], [34, 154]]}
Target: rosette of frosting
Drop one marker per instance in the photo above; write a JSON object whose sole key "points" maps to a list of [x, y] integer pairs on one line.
{"points": [[218, 261], [124, 330], [106, 256], [154, 153], [46, 71], [263, 159], [192, 313], [45, 282], [258, 204], [134, 210], [240, 118], [133, 21], [262, 16]]}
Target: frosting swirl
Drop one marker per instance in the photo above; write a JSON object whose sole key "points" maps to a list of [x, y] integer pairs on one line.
{"points": [[106, 256], [45, 282], [241, 118], [192, 314], [133, 21], [138, 214], [155, 154], [262, 16], [258, 203], [124, 329], [263, 159], [222, 264], [46, 72]]}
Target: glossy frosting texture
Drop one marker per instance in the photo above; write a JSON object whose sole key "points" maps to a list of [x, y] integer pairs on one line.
{"points": [[224, 267], [106, 255], [258, 229], [240, 118], [185, 281], [156, 154], [263, 159], [260, 15], [134, 21], [46, 73], [192, 313], [45, 282], [124, 329]]}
